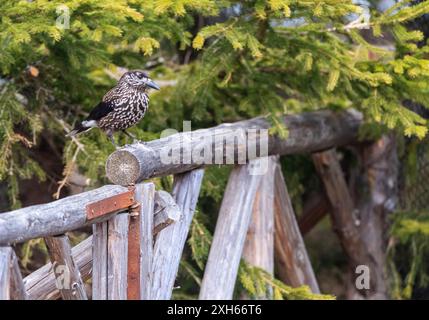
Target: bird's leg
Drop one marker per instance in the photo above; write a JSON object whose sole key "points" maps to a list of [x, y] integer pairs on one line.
{"points": [[132, 136], [112, 140]]}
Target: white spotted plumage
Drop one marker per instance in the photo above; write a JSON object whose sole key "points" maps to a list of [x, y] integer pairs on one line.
{"points": [[122, 107]]}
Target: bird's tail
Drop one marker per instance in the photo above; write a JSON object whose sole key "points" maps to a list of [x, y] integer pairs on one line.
{"points": [[79, 128]]}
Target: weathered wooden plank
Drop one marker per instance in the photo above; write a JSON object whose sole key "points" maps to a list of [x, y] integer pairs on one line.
{"points": [[5, 272], [166, 211], [258, 248], [146, 240], [291, 258], [11, 285], [17, 289], [67, 274], [52, 218], [228, 240], [308, 132], [117, 257], [110, 256], [99, 261], [41, 284], [170, 241]]}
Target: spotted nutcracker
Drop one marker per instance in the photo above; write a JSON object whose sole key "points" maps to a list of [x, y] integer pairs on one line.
{"points": [[121, 108]]}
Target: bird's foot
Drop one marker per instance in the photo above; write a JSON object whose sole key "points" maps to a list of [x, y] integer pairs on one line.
{"points": [[137, 141]]}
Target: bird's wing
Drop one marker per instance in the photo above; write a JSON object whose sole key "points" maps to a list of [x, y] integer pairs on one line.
{"points": [[106, 106], [101, 110]]}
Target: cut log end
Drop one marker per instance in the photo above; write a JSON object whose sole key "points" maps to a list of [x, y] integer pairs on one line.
{"points": [[123, 168]]}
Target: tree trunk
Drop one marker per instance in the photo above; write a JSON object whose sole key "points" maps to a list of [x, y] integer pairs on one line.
{"points": [[359, 212], [373, 186]]}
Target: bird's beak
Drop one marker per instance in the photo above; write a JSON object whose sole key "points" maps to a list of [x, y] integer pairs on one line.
{"points": [[152, 85]]}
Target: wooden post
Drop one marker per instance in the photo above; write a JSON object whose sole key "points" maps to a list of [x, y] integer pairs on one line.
{"points": [[67, 274], [259, 245], [117, 257], [41, 284], [99, 261], [228, 240], [110, 258], [146, 240], [170, 241], [5, 272], [17, 288], [11, 285], [293, 265]]}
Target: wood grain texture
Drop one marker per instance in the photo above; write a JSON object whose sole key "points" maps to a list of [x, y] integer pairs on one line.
{"points": [[166, 211], [52, 218], [145, 194], [291, 258], [170, 241], [258, 248], [99, 260], [117, 257], [66, 272], [228, 240], [5, 272], [11, 285], [17, 288], [41, 284], [308, 132], [110, 257]]}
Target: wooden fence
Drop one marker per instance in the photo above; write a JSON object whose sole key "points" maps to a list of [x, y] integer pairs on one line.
{"points": [[139, 233]]}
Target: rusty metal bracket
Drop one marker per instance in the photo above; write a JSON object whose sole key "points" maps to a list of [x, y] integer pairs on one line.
{"points": [[133, 273], [114, 204]]}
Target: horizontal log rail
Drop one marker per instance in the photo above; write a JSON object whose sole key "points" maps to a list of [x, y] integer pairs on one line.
{"points": [[69, 214], [308, 132], [181, 152], [52, 218]]}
